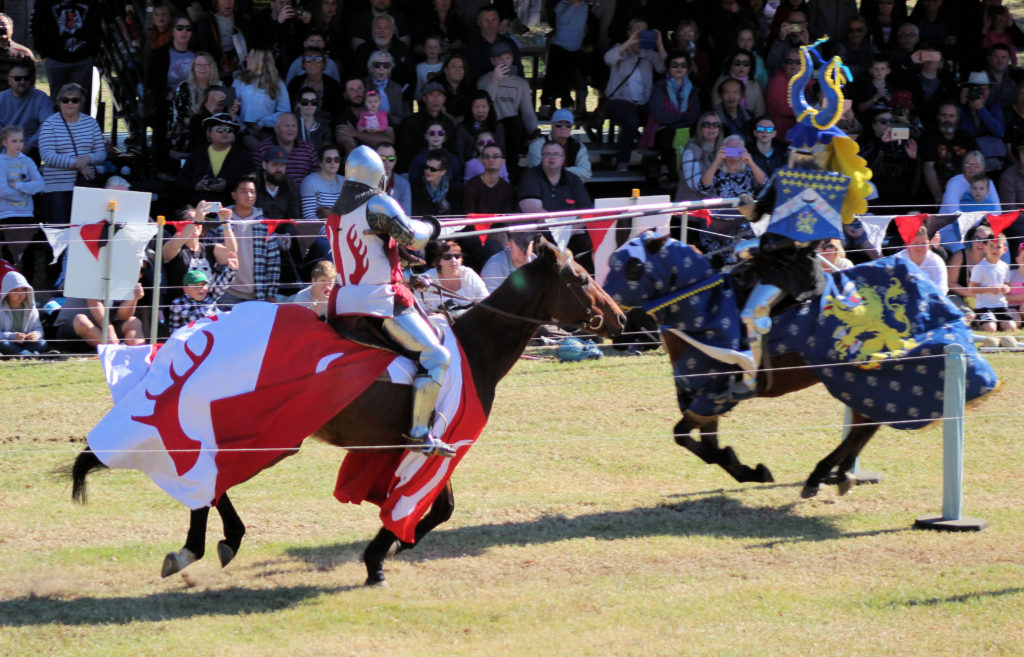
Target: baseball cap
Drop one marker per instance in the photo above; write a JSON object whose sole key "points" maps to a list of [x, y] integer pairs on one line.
{"points": [[500, 48], [562, 115], [194, 276], [431, 87], [276, 154]]}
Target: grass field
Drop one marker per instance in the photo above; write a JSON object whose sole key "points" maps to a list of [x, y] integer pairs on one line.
{"points": [[580, 529]]}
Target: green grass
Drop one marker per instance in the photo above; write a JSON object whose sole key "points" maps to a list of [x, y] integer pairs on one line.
{"points": [[580, 529]]}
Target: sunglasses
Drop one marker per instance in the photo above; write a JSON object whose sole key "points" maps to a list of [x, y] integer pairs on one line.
{"points": [[436, 133], [183, 28], [67, 100], [452, 256], [490, 157], [388, 158], [791, 61], [332, 159], [741, 62], [484, 142], [222, 129], [309, 101], [381, 65], [710, 125], [20, 78], [435, 169], [319, 60], [763, 128], [563, 124]]}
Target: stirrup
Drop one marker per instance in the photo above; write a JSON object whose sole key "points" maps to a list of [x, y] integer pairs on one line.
{"points": [[431, 445], [742, 390]]}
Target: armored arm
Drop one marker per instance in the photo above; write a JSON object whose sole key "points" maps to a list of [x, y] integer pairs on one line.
{"points": [[385, 215]]}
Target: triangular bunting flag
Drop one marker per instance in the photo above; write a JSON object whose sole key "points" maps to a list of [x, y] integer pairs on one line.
{"points": [[1000, 221], [909, 225]]}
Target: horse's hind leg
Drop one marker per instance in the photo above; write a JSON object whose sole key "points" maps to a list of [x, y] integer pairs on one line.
{"points": [[195, 544], [708, 450], [385, 543], [842, 457], [234, 530]]}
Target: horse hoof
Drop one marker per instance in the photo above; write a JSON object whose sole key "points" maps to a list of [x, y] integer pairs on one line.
{"points": [[846, 483], [763, 474], [808, 492], [225, 553], [176, 561], [376, 579]]}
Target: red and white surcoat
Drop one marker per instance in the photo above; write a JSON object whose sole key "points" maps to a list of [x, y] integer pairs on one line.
{"points": [[369, 280]]}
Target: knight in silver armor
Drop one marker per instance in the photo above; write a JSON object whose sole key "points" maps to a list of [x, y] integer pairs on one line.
{"points": [[365, 228]]}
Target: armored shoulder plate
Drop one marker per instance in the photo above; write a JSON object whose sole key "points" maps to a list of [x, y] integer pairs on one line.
{"points": [[385, 215]]}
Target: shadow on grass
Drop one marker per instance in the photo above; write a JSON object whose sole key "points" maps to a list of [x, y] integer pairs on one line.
{"points": [[717, 515], [48, 610], [964, 597]]}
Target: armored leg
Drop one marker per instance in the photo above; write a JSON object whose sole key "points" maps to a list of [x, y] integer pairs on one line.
{"points": [[413, 331], [756, 318]]}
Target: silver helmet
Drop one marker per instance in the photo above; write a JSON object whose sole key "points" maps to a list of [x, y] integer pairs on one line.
{"points": [[363, 165]]}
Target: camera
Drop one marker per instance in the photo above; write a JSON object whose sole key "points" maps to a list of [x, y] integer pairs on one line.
{"points": [[974, 92], [213, 207], [733, 151], [899, 132], [648, 40]]}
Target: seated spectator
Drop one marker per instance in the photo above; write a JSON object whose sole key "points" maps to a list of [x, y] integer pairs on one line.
{"points": [[217, 99], [976, 198], [513, 100], [262, 94], [732, 172], [746, 39], [776, 94], [259, 259], [188, 100], [71, 144], [873, 93], [893, 162], [768, 151], [189, 251], [516, 253], [698, 155], [457, 90], [435, 193], [82, 319], [439, 19], [834, 256], [327, 29], [997, 29], [882, 17], [436, 138], [314, 126], [371, 118], [983, 121], [12, 53], [433, 50], [1003, 76], [687, 39], [989, 282], [16, 206], [730, 111], [489, 192], [412, 132], [960, 184], [396, 185], [630, 84], [739, 66], [302, 157], [1011, 195], [21, 331], [932, 84], [314, 39], [577, 158], [1015, 298], [942, 149], [200, 294], [212, 169], [403, 66], [920, 253], [961, 263], [475, 165], [321, 188], [22, 104], [855, 48], [480, 117], [277, 25], [933, 24], [329, 91], [380, 67], [315, 295], [448, 272], [675, 108], [550, 187], [901, 58], [346, 134]]}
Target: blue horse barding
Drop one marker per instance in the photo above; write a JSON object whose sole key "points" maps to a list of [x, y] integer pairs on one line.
{"points": [[874, 338]]}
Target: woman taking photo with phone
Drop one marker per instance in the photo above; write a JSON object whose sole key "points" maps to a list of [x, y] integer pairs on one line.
{"points": [[732, 172]]}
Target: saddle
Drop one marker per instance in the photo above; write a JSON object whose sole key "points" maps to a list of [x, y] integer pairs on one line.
{"points": [[369, 332]]}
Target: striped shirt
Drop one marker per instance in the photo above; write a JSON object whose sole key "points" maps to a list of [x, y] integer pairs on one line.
{"points": [[316, 191], [58, 149]]}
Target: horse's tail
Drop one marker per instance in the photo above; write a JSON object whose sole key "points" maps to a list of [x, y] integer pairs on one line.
{"points": [[86, 462]]}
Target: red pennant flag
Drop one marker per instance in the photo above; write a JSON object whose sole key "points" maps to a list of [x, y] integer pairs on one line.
{"points": [[480, 215], [909, 225], [483, 238], [702, 214], [91, 237], [1000, 221], [272, 224]]}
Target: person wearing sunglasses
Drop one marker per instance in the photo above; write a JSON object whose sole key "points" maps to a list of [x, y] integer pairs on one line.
{"points": [[380, 67], [214, 165], [698, 155], [675, 108], [792, 33], [436, 137], [320, 189], [67, 46], [328, 90], [71, 144], [11, 52], [740, 66], [577, 157], [451, 273], [396, 185], [25, 105], [315, 38], [767, 148], [855, 48], [436, 191], [776, 94], [893, 162], [475, 165], [314, 126], [384, 38]]}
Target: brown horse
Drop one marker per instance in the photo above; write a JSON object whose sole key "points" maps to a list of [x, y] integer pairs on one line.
{"points": [[493, 335]]}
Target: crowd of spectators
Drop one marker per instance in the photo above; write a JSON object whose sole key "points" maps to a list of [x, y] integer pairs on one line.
{"points": [[254, 104]]}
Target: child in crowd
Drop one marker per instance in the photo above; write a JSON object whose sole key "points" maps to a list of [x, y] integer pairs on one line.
{"points": [[19, 181], [1016, 280], [432, 49], [372, 119], [315, 296], [200, 295], [973, 200], [21, 331], [835, 256], [989, 281]]}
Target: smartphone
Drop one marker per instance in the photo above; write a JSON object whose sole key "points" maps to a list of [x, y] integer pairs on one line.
{"points": [[648, 40], [899, 132], [733, 151], [213, 207], [930, 56]]}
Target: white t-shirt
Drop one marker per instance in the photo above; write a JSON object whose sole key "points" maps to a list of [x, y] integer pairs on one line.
{"points": [[472, 287], [987, 274], [933, 267]]}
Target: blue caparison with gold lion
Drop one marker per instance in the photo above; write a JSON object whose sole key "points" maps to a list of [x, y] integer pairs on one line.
{"points": [[875, 337]]}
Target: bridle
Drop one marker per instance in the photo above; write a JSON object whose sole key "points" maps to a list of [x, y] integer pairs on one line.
{"points": [[593, 322]]}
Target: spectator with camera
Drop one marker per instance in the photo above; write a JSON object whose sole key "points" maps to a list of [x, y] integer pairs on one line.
{"points": [[187, 250], [892, 157], [633, 64], [932, 84], [732, 172], [792, 34], [477, 56], [212, 169], [982, 121], [943, 146], [513, 102]]}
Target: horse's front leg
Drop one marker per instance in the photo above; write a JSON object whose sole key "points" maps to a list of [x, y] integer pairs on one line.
{"points": [[842, 458], [234, 530], [708, 450], [195, 544], [385, 543]]}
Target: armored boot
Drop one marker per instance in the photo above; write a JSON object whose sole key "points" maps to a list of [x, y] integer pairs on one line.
{"points": [[756, 317], [424, 397]]}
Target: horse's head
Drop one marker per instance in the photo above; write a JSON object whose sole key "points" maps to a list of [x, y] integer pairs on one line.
{"points": [[578, 299]]}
